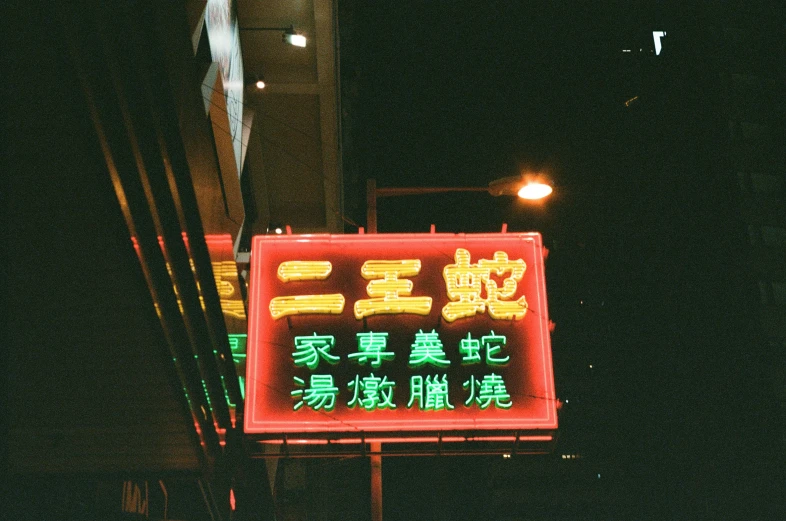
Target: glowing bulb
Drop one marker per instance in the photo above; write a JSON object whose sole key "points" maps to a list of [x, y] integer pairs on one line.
{"points": [[279, 231], [534, 190], [298, 40], [260, 84]]}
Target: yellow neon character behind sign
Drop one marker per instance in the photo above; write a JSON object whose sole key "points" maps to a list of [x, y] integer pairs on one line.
{"points": [[390, 294], [233, 308], [224, 272], [332, 304], [464, 282]]}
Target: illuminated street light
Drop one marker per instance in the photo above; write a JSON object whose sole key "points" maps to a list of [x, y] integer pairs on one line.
{"points": [[526, 186], [535, 190]]}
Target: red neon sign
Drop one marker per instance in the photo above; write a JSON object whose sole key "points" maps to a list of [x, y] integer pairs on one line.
{"points": [[418, 333]]}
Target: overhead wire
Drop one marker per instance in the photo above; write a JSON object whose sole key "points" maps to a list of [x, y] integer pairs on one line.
{"points": [[279, 146], [258, 131]]}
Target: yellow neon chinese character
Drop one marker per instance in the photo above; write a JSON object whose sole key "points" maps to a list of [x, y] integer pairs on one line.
{"points": [[233, 308], [302, 304], [389, 293], [223, 273], [303, 270], [464, 282]]}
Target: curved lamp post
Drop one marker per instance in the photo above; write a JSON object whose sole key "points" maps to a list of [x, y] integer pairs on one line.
{"points": [[526, 187]]}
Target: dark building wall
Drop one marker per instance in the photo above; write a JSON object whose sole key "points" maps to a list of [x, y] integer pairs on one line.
{"points": [[93, 395]]}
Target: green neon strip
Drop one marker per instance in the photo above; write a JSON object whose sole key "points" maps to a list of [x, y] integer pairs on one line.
{"points": [[207, 395]]}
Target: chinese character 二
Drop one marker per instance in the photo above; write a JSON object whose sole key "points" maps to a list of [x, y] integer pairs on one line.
{"points": [[465, 281], [289, 271]]}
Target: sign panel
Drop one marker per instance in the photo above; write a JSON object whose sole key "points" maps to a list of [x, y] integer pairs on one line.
{"points": [[223, 32], [396, 335]]}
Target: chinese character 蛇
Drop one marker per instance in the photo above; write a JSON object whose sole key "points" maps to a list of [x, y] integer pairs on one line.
{"points": [[464, 282]]}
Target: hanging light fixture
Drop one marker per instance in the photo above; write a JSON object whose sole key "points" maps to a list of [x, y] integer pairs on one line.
{"points": [[293, 38], [289, 36]]}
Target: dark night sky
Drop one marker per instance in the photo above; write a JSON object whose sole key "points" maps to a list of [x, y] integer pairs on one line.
{"points": [[644, 239], [448, 95]]}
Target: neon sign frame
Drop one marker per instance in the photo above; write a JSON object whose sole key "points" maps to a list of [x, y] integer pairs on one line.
{"points": [[270, 369]]}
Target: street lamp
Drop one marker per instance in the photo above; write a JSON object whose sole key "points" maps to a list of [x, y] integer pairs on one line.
{"points": [[527, 187]]}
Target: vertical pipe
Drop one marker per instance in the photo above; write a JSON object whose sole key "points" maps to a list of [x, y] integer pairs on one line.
{"points": [[371, 206], [376, 447], [376, 481]]}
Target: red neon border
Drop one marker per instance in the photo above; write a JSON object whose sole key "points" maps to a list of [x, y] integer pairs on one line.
{"points": [[256, 423]]}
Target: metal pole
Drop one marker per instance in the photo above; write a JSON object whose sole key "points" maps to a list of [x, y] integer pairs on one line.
{"points": [[376, 448], [376, 481], [371, 227], [420, 190], [371, 206]]}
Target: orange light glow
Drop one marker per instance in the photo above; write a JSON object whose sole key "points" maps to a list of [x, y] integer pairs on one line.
{"points": [[535, 190]]}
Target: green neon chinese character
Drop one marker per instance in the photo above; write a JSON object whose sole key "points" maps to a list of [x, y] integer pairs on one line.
{"points": [[433, 396], [470, 350], [371, 346], [377, 392], [427, 349], [494, 344], [321, 393], [309, 349], [490, 389]]}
